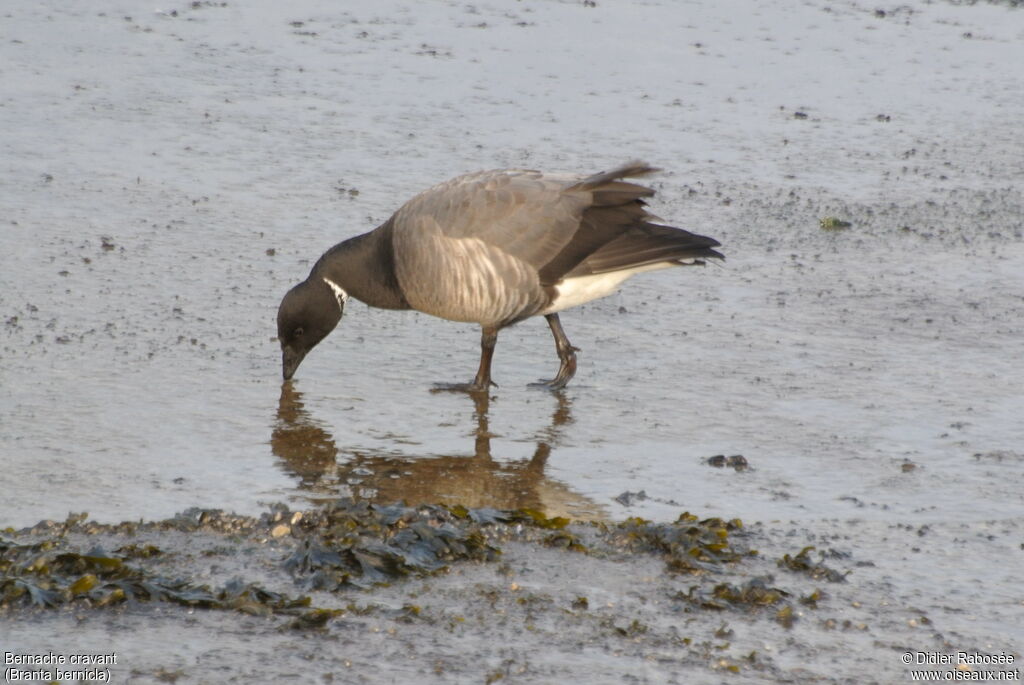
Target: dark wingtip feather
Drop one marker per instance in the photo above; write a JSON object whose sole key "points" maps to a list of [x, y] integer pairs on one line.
{"points": [[628, 170], [616, 231]]}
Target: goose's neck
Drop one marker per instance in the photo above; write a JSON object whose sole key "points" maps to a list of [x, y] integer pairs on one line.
{"points": [[364, 268]]}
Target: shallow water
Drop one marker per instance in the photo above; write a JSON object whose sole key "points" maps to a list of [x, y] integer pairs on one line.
{"points": [[132, 402], [166, 178]]}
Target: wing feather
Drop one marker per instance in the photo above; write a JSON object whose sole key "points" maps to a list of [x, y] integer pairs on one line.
{"points": [[525, 214], [647, 244], [490, 246]]}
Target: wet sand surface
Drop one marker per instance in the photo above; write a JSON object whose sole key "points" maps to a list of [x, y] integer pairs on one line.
{"points": [[168, 175]]}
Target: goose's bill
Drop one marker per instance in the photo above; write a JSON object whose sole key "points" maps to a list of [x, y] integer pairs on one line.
{"points": [[290, 360]]}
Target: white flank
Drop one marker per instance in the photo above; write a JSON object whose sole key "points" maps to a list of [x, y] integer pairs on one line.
{"points": [[339, 292], [575, 291]]}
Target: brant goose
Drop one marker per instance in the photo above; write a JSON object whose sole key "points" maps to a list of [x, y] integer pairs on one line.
{"points": [[493, 248]]}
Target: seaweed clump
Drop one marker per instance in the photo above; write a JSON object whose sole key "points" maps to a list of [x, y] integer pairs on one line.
{"points": [[756, 593], [802, 563], [346, 543], [358, 544], [688, 545], [343, 544], [49, 574]]}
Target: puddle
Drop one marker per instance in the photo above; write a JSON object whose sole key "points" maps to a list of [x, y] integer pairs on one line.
{"points": [[469, 476]]}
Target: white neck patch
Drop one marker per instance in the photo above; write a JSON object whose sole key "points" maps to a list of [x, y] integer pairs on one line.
{"points": [[339, 292]]}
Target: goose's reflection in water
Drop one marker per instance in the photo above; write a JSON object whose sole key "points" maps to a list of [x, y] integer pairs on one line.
{"points": [[475, 479]]}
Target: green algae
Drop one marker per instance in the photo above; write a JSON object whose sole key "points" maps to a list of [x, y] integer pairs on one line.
{"points": [[832, 223]]}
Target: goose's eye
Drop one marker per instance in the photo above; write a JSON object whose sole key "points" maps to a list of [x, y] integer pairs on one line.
{"points": [[297, 333]]}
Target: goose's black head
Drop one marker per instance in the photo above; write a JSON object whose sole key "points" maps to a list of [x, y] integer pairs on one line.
{"points": [[308, 312]]}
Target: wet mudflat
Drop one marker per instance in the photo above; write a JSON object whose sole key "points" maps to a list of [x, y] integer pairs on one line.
{"points": [[168, 175]]}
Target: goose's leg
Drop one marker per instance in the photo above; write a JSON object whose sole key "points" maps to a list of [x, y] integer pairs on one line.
{"points": [[488, 339], [482, 382], [566, 355]]}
